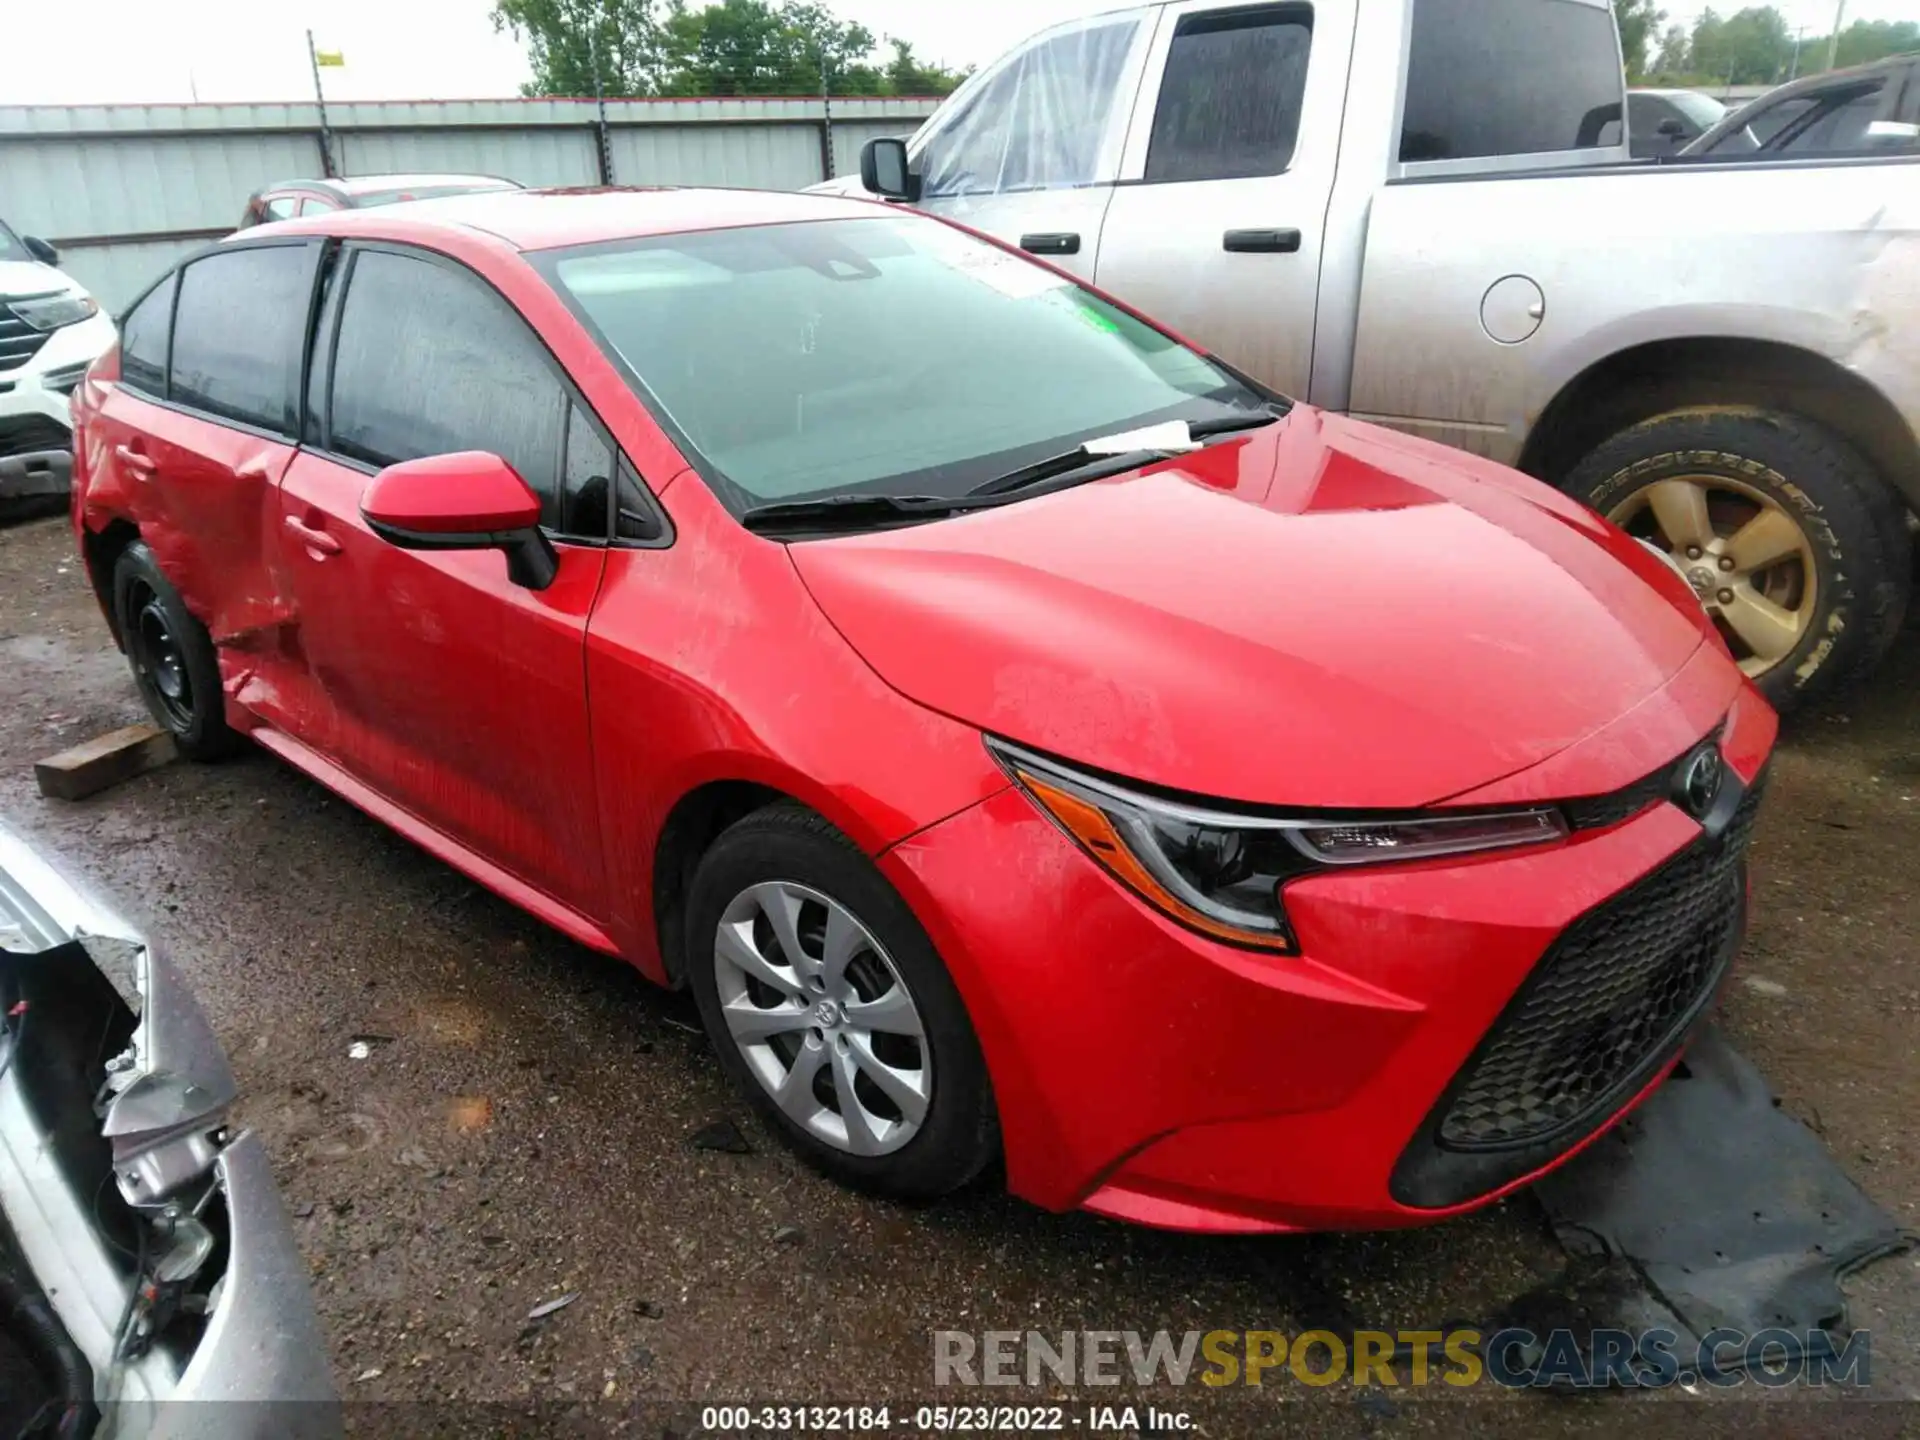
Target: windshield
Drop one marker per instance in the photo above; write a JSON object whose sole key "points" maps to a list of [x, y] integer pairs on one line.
{"points": [[887, 356], [10, 245], [1703, 110]]}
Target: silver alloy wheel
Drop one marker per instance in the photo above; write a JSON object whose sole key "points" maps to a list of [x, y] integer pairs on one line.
{"points": [[822, 1017]]}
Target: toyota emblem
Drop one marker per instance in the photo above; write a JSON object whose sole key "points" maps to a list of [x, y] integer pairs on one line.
{"points": [[1700, 780]]}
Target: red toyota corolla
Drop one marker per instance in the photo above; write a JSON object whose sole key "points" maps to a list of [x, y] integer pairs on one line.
{"points": [[1024, 735]]}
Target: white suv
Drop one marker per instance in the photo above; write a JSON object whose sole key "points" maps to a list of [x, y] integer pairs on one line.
{"points": [[50, 331]]}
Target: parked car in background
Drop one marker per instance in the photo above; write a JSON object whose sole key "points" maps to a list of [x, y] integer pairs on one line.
{"points": [[1868, 110], [1017, 728], [288, 198], [145, 1259], [1663, 122], [51, 329], [1409, 210]]}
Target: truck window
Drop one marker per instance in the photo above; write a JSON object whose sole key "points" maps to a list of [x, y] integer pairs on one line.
{"points": [[1839, 126], [1230, 99], [1509, 77], [1039, 122]]}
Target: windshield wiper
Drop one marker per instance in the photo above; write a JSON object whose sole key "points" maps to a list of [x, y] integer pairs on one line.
{"points": [[1227, 424], [1075, 465], [835, 509]]}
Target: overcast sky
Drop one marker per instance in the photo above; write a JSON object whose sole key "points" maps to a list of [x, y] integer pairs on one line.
{"points": [[124, 51]]}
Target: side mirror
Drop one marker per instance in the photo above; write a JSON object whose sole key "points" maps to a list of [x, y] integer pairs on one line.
{"points": [[1671, 128], [465, 501], [883, 169], [1881, 135], [40, 250]]}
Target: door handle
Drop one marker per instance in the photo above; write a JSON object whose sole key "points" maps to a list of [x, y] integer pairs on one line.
{"points": [[1064, 242], [138, 461], [318, 542], [1261, 242]]}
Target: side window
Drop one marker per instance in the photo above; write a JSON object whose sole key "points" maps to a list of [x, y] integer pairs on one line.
{"points": [[143, 339], [1509, 77], [1838, 127], [586, 481], [316, 205], [280, 207], [239, 331], [1230, 99], [1037, 124], [428, 360]]}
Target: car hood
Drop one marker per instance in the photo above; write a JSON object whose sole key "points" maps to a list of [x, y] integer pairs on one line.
{"points": [[1319, 613], [30, 277]]}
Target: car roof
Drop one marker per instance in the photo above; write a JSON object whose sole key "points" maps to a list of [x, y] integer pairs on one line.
{"points": [[550, 219], [349, 185]]}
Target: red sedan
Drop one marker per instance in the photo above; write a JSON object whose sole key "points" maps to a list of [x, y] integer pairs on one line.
{"points": [[1025, 735]]}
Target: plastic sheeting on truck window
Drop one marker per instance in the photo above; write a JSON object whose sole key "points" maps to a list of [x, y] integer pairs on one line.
{"points": [[1038, 120]]}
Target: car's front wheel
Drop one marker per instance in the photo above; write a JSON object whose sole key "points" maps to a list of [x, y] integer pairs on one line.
{"points": [[832, 1011], [1796, 548], [172, 657]]}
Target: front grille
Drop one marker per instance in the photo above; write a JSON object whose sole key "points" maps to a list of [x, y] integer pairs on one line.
{"points": [[19, 341], [26, 434], [1604, 1008]]}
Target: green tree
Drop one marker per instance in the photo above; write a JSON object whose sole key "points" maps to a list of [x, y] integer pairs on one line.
{"points": [[1867, 40], [1671, 61], [751, 47], [1638, 20], [1751, 47], [907, 76], [562, 36]]}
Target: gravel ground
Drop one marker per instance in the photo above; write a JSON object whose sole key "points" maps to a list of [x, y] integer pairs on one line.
{"points": [[522, 1125]]}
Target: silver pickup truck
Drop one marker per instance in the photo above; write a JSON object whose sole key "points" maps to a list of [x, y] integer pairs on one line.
{"points": [[1422, 212]]}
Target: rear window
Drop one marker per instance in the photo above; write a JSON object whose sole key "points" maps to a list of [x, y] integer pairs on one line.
{"points": [[143, 339], [1510, 77], [238, 332]]}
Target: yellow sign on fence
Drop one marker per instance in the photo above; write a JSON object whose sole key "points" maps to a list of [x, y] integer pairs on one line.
{"points": [[330, 57]]}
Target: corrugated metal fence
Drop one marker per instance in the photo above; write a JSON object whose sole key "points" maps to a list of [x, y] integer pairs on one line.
{"points": [[123, 189]]}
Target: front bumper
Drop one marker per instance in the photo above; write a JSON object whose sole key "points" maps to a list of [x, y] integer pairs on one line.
{"points": [[36, 423], [1145, 1072]]}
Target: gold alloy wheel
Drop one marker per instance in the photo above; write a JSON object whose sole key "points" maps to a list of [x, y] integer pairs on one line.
{"points": [[1745, 557]]}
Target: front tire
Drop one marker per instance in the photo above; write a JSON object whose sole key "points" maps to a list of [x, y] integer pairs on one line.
{"points": [[831, 1010], [1796, 548], [172, 657]]}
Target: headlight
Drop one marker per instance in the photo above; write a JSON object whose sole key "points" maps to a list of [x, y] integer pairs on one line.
{"points": [[1222, 873], [50, 312]]}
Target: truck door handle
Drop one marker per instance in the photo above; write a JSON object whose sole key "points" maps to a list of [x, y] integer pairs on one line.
{"points": [[138, 461], [1261, 242], [318, 542], [1064, 242]]}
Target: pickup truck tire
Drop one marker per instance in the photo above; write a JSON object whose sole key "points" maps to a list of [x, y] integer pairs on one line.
{"points": [[1793, 543], [172, 657]]}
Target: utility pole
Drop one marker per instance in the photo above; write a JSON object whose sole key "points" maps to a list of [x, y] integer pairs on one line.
{"points": [[1833, 40], [826, 118], [603, 148], [320, 98], [1798, 35]]}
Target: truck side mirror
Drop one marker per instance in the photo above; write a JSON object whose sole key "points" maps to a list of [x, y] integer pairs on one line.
{"points": [[884, 172], [40, 250]]}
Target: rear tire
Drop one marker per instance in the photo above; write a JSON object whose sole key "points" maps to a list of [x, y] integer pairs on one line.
{"points": [[172, 657], [795, 1023], [1736, 486]]}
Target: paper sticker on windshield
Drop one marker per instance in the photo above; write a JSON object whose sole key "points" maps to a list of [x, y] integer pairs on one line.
{"points": [[1013, 278]]}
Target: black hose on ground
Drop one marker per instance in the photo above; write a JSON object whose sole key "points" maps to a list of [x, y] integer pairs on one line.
{"points": [[26, 1316]]}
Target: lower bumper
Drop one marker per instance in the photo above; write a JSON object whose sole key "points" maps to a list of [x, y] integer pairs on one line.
{"points": [[38, 473], [1150, 1074]]}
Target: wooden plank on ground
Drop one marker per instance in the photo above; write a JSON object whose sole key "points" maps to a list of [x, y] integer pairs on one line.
{"points": [[105, 760]]}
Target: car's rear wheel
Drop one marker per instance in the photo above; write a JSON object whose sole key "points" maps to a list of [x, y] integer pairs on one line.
{"points": [[172, 657], [1795, 547], [832, 1011]]}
